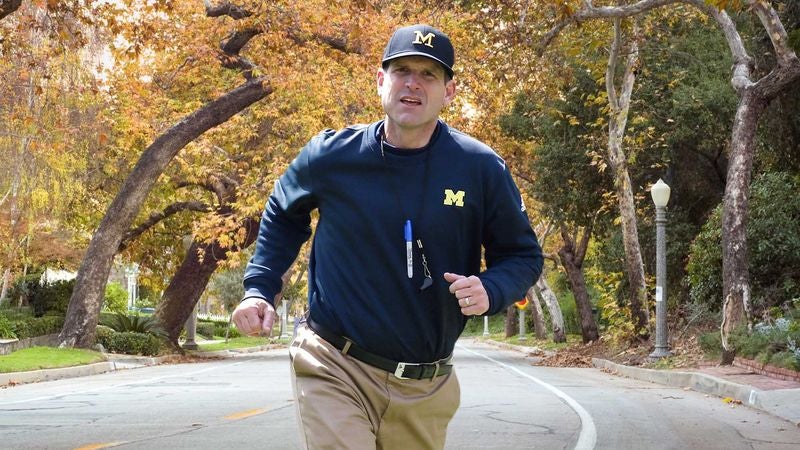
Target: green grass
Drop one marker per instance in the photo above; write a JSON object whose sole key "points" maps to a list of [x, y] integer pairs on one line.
{"points": [[35, 358], [239, 342]]}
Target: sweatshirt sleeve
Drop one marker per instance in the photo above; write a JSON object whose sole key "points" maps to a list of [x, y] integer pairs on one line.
{"points": [[513, 255], [285, 226]]}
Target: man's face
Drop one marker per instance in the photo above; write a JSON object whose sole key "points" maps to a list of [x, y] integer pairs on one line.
{"points": [[413, 91]]}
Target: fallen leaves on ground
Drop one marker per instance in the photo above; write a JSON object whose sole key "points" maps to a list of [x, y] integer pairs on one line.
{"points": [[566, 359], [731, 401]]}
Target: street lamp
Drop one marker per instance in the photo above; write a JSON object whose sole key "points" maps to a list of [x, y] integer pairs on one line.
{"points": [[131, 275], [660, 194]]}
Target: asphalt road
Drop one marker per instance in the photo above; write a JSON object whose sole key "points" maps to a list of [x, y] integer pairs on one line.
{"points": [[507, 403]]}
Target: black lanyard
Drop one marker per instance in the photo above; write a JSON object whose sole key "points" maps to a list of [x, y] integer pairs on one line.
{"points": [[428, 280]]}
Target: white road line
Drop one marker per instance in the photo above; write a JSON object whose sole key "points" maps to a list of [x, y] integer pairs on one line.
{"points": [[132, 383], [588, 437]]}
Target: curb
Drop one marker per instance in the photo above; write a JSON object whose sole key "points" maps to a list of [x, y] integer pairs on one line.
{"points": [[236, 351], [34, 376], [529, 351], [115, 362], [782, 403]]}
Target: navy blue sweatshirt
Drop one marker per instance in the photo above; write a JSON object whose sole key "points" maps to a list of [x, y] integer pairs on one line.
{"points": [[358, 282]]}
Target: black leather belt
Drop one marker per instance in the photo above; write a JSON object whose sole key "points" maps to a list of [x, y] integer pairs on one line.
{"points": [[401, 370]]}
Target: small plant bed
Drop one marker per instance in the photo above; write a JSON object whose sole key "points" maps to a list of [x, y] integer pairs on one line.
{"points": [[239, 342], [768, 370], [36, 358]]}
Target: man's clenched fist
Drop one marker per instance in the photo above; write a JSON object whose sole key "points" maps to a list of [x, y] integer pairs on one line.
{"points": [[254, 317]]}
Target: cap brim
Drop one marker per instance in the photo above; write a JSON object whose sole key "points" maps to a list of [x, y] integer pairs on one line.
{"points": [[427, 55]]}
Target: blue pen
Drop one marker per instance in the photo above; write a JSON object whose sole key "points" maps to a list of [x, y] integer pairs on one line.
{"points": [[409, 249]]}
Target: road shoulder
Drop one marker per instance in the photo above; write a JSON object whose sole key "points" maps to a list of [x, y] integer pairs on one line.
{"points": [[780, 402]]}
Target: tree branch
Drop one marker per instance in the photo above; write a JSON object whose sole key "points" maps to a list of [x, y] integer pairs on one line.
{"points": [[226, 9], [230, 47], [584, 244], [742, 62], [336, 43], [589, 12], [777, 33], [157, 217], [8, 6], [611, 67], [234, 42]]}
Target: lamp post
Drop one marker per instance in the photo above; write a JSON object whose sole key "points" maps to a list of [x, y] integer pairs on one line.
{"points": [[660, 194], [131, 275], [485, 325], [285, 318]]}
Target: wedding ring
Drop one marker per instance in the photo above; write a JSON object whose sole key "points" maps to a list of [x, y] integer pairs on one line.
{"points": [[466, 301]]}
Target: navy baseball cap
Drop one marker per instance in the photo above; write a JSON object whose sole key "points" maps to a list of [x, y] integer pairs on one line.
{"points": [[421, 40]]}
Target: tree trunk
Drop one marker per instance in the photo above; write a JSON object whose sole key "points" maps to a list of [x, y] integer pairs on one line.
{"points": [[578, 286], [735, 271], [572, 260], [512, 321], [556, 318], [87, 297], [8, 6], [190, 281], [618, 117], [6, 282], [539, 330]]}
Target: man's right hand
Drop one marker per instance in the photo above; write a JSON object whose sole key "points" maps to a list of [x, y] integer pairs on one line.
{"points": [[254, 317]]}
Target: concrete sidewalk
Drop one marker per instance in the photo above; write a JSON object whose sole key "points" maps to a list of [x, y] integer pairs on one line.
{"points": [[775, 396]]}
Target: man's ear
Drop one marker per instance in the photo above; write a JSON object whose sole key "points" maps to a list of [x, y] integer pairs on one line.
{"points": [[449, 92], [379, 78]]}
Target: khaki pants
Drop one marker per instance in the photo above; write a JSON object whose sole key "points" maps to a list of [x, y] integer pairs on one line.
{"points": [[343, 403]]}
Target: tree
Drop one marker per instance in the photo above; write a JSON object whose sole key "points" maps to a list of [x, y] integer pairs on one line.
{"points": [[542, 289], [86, 301], [315, 60], [619, 105], [537, 315], [754, 96], [566, 181], [47, 93]]}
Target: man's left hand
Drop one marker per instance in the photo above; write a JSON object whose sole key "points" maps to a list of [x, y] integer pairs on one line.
{"points": [[470, 293]]}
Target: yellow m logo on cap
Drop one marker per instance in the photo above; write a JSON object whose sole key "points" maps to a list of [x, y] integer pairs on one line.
{"points": [[425, 40], [453, 198]]}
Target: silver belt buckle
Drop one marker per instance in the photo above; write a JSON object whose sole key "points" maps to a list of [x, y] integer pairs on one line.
{"points": [[401, 367]]}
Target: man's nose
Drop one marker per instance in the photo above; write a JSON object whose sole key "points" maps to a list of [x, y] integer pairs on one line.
{"points": [[412, 81]]}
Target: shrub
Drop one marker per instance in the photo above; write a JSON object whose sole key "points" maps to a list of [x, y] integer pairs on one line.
{"points": [[6, 328], [37, 326], [115, 299], [206, 329], [233, 332], [25, 287], [132, 343], [103, 335], [711, 343], [52, 297], [776, 343], [137, 324]]}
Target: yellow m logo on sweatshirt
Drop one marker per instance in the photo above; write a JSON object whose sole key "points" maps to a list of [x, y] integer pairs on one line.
{"points": [[453, 198]]}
